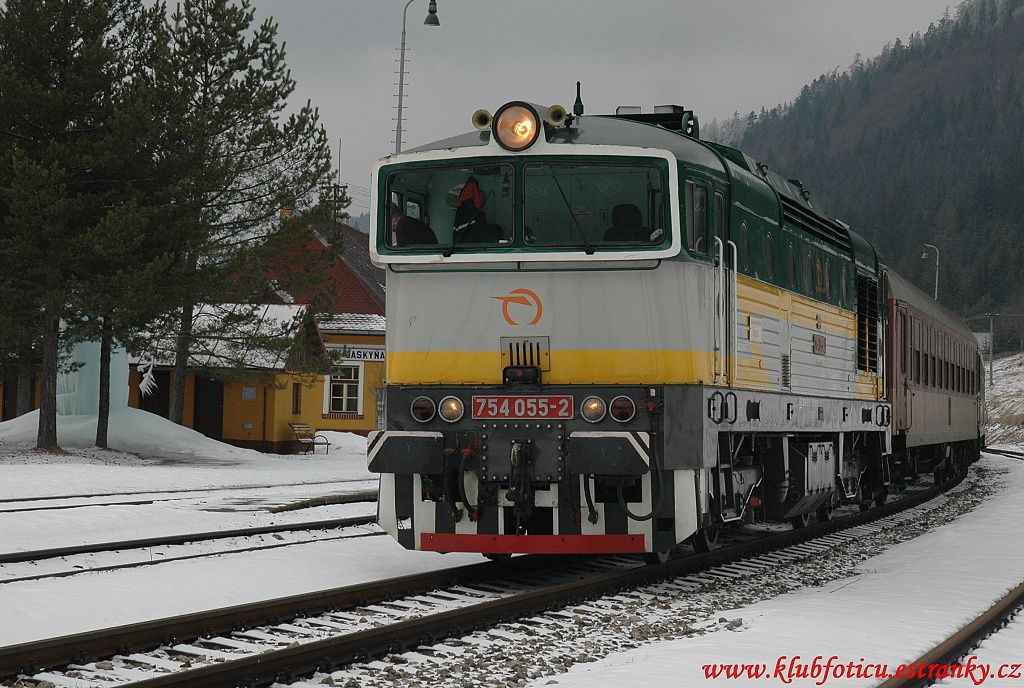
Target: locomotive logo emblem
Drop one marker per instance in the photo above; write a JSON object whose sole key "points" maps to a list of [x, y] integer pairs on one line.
{"points": [[520, 297]]}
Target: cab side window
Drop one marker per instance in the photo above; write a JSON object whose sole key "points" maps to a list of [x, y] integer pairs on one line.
{"points": [[696, 217]]}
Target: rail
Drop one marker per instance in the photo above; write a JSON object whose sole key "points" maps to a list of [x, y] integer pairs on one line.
{"points": [[963, 641], [181, 539], [268, 666]]}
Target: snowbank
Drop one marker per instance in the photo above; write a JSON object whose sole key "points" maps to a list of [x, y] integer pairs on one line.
{"points": [[174, 458]]}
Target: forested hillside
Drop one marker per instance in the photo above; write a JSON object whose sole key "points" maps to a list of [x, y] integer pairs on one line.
{"points": [[923, 143]]}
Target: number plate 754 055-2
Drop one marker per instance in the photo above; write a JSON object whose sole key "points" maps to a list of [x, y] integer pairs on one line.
{"points": [[522, 407]]}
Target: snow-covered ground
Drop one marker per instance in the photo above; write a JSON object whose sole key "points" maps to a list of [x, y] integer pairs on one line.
{"points": [[187, 483], [892, 608], [149, 453], [191, 483], [1005, 400], [897, 606]]}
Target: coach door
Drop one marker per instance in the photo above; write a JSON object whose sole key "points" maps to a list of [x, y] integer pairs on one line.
{"points": [[902, 373]]}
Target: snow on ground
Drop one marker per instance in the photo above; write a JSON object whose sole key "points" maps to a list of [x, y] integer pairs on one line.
{"points": [[55, 607], [1003, 652], [172, 456], [901, 603], [45, 529], [1005, 400], [158, 461], [168, 465]]}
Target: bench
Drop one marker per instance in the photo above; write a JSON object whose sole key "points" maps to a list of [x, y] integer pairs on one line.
{"points": [[306, 440]]}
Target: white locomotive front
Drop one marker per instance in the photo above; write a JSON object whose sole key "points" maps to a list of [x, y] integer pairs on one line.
{"points": [[599, 340]]}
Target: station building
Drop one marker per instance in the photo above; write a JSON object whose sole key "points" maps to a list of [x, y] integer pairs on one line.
{"points": [[243, 396]]}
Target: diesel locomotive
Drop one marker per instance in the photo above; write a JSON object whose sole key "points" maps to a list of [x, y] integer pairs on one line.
{"points": [[605, 334]]}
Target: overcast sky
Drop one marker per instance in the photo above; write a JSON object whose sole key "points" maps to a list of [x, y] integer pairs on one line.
{"points": [[715, 57]]}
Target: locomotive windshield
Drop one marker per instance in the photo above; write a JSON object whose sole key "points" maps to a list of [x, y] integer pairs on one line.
{"points": [[588, 206], [529, 204], [445, 207]]}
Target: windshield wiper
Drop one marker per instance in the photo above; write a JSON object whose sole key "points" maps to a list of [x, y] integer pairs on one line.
{"points": [[583, 235]]}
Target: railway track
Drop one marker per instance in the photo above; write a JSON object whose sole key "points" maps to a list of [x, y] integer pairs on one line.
{"points": [[1007, 453], [346, 625], [964, 641], [345, 497], [227, 488], [129, 546], [123, 545]]}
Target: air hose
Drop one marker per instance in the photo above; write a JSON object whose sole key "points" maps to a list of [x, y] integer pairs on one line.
{"points": [[591, 510], [661, 493], [462, 482]]}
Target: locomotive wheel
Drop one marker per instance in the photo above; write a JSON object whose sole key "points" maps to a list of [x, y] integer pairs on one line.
{"points": [[660, 557], [866, 497], [706, 539], [880, 497], [825, 510], [800, 521]]}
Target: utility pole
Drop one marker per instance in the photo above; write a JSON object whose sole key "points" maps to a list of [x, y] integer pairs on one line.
{"points": [[431, 20], [925, 255], [991, 345]]}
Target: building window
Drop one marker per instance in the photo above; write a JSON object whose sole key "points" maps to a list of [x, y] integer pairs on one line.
{"points": [[248, 393], [296, 398], [344, 392]]}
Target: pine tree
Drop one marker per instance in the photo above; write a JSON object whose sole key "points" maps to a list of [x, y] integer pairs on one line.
{"points": [[235, 159], [63, 66]]}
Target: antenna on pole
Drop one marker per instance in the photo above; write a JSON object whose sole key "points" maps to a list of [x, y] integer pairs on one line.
{"points": [[577, 107]]}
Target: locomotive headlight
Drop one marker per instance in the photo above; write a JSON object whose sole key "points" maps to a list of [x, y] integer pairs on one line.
{"points": [[593, 409], [450, 409], [516, 126]]}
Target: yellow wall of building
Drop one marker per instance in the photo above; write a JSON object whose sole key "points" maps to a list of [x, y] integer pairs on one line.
{"points": [[263, 420]]}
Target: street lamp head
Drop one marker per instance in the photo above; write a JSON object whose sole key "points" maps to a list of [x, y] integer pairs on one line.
{"points": [[432, 19], [924, 253]]}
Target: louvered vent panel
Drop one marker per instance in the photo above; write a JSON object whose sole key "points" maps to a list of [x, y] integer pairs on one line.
{"points": [[526, 351], [867, 324]]}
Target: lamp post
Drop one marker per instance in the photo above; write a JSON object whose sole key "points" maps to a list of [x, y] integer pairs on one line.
{"points": [[431, 20], [924, 254]]}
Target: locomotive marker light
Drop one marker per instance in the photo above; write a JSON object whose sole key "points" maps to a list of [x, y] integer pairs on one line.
{"points": [[422, 409], [622, 409], [593, 409], [451, 409], [516, 126]]}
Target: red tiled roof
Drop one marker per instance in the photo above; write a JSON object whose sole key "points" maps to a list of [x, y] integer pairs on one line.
{"points": [[356, 285]]}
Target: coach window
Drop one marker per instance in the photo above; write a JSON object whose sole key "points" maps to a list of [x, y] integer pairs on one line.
{"points": [[916, 364], [769, 256], [827, 285], [903, 339], [808, 284], [843, 293], [945, 363]]}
